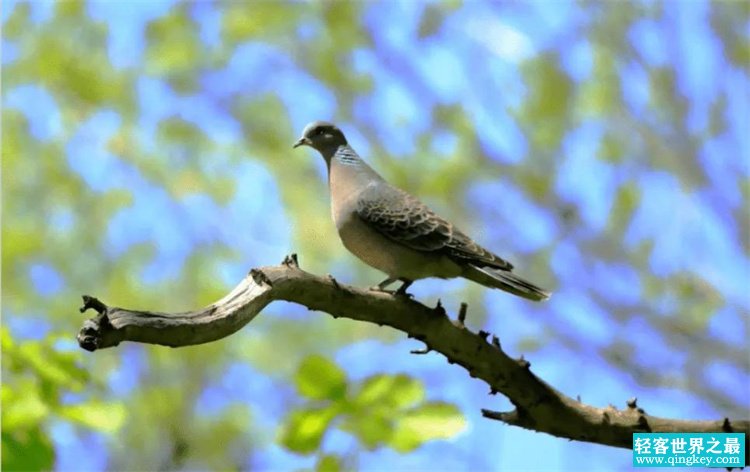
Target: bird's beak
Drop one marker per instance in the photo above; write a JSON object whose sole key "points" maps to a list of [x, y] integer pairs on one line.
{"points": [[302, 142]]}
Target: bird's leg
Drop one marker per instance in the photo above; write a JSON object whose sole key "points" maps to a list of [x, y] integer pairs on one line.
{"points": [[382, 285], [402, 289]]}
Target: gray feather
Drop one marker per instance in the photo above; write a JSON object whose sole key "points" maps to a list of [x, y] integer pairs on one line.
{"points": [[404, 219], [505, 280]]}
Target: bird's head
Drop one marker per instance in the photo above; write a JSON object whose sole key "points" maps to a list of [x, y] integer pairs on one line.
{"points": [[321, 136]]}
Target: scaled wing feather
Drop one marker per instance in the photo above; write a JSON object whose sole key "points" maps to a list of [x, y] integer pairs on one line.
{"points": [[404, 219]]}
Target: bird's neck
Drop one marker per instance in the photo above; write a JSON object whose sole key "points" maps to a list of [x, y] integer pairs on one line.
{"points": [[345, 167], [345, 156]]}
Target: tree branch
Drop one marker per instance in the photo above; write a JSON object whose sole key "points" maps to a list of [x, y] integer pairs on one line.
{"points": [[538, 406]]}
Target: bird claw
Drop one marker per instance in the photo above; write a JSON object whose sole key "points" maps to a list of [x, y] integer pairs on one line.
{"points": [[394, 293], [403, 293], [378, 288]]}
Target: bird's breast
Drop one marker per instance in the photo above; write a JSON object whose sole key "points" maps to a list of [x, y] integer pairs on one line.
{"points": [[345, 187], [347, 183], [368, 245], [386, 255]]}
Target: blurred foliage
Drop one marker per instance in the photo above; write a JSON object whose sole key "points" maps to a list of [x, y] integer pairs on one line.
{"points": [[36, 379], [161, 171], [381, 410]]}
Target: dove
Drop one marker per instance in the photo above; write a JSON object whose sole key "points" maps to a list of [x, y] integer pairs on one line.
{"points": [[394, 232]]}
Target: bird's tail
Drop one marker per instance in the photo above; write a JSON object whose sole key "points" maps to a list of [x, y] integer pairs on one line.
{"points": [[506, 280]]}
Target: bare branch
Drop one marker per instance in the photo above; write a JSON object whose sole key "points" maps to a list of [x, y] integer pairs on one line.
{"points": [[538, 406]]}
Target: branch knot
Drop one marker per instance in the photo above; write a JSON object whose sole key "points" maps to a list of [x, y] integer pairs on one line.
{"points": [[260, 277]]}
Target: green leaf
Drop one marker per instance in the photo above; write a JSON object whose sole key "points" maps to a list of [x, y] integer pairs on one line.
{"points": [[57, 368], [371, 428], [246, 20], [173, 46], [319, 379], [611, 149], [436, 420], [432, 20], [182, 132], [329, 463], [397, 391], [549, 99], [17, 22], [26, 450], [626, 203], [304, 429], [105, 417], [23, 408], [6, 340]]}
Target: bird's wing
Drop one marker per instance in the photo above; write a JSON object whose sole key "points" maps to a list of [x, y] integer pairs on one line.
{"points": [[405, 220]]}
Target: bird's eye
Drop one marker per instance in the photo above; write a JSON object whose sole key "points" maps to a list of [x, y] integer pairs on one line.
{"points": [[319, 131]]}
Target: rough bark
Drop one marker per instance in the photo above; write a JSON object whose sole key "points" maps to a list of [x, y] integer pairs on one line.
{"points": [[538, 406]]}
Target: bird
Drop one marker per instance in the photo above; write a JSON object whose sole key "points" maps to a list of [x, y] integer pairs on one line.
{"points": [[394, 232]]}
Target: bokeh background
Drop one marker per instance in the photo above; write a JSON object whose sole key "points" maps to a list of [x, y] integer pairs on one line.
{"points": [[146, 159]]}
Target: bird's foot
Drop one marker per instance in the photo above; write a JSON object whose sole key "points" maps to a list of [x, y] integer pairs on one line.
{"points": [[378, 288], [401, 292], [381, 287], [395, 293]]}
